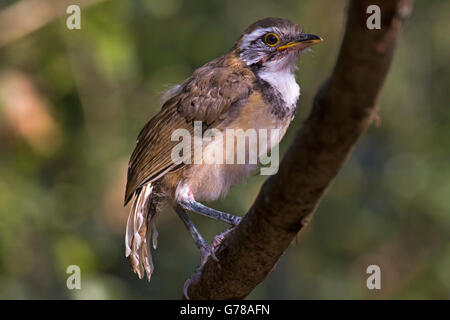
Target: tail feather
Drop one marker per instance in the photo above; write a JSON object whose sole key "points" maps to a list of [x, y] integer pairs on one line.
{"points": [[140, 228]]}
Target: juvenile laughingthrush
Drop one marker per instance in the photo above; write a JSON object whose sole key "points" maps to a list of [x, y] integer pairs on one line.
{"points": [[251, 87]]}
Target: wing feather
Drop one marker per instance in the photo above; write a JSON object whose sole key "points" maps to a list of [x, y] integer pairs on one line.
{"points": [[207, 96]]}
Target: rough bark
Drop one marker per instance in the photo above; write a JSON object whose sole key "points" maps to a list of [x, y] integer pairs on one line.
{"points": [[343, 108]]}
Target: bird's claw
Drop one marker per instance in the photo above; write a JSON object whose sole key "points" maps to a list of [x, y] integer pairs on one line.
{"points": [[205, 252], [193, 279], [216, 242]]}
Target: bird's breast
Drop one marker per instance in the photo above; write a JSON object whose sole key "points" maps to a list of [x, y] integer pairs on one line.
{"points": [[253, 131], [280, 90]]}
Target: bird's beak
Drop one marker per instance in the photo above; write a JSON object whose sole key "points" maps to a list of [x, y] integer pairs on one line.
{"points": [[304, 40]]}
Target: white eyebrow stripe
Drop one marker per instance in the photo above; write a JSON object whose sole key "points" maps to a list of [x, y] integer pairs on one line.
{"points": [[248, 38]]}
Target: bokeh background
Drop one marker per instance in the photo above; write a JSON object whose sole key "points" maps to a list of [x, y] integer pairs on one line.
{"points": [[73, 101]]}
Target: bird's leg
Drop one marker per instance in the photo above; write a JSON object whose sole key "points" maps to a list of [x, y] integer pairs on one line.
{"points": [[218, 239], [200, 242], [205, 249], [190, 204], [187, 202]]}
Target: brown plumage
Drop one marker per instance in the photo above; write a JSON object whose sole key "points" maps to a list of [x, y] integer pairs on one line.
{"points": [[207, 96], [251, 87]]}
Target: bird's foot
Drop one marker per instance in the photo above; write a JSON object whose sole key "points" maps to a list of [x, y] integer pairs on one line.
{"points": [[216, 242], [206, 252], [193, 279]]}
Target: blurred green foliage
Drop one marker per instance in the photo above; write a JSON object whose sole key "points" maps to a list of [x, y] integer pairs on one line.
{"points": [[85, 94]]}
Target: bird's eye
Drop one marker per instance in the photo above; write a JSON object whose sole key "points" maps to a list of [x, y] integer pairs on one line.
{"points": [[271, 39]]}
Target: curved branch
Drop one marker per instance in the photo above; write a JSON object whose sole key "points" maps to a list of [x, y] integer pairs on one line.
{"points": [[343, 109], [26, 16]]}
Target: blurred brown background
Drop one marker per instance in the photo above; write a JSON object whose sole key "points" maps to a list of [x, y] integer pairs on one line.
{"points": [[73, 101]]}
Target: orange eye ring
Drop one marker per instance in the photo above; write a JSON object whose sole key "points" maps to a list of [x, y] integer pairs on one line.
{"points": [[272, 39]]}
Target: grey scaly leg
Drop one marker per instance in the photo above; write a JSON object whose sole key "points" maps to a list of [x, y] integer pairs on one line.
{"points": [[192, 205], [200, 242]]}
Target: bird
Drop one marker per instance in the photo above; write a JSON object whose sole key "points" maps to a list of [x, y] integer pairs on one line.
{"points": [[253, 86]]}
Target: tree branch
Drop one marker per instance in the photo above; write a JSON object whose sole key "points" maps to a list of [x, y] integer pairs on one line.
{"points": [[343, 109]]}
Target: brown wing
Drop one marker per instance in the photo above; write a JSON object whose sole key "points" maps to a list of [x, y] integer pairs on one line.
{"points": [[207, 96]]}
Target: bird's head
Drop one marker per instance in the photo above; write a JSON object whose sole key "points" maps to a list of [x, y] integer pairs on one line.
{"points": [[273, 44]]}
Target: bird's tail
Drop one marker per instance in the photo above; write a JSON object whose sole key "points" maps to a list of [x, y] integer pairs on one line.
{"points": [[141, 230]]}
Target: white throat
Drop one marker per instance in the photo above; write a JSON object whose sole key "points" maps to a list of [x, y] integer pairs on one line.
{"points": [[284, 82]]}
